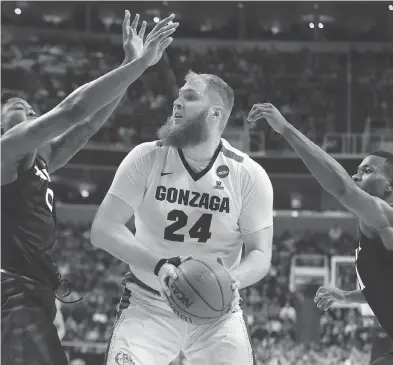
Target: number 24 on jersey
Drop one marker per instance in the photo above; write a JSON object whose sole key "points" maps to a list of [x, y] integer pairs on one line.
{"points": [[199, 230]]}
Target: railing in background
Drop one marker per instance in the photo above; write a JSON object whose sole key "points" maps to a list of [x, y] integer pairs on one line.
{"points": [[346, 144], [356, 143], [253, 143]]}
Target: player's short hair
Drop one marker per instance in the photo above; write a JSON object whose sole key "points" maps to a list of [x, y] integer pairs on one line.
{"points": [[217, 85], [388, 156]]}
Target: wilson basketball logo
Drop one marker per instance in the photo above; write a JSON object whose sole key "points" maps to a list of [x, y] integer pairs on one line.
{"points": [[181, 296], [222, 171]]}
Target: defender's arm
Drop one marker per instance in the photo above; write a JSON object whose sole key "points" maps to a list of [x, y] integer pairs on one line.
{"points": [[80, 104]]}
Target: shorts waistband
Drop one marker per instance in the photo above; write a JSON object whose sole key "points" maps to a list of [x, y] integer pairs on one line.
{"points": [[131, 278]]}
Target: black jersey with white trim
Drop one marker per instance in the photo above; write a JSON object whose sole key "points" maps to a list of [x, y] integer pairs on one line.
{"points": [[374, 268], [28, 222]]}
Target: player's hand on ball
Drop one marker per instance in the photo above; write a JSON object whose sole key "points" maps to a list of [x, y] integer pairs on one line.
{"points": [[325, 297], [236, 301], [169, 271], [132, 42], [158, 40], [271, 114]]}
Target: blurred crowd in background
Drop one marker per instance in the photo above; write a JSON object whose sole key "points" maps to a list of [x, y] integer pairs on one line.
{"points": [[310, 88]]}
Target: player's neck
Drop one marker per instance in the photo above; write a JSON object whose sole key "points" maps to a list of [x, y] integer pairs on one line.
{"points": [[202, 152]]}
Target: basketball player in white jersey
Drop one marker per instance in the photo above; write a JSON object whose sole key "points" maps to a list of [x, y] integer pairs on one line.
{"points": [[191, 194]]}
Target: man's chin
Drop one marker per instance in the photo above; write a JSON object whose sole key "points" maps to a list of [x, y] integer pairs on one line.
{"points": [[180, 135], [370, 191], [171, 138]]}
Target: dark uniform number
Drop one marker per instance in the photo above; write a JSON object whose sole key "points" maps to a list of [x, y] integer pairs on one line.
{"points": [[200, 230]]}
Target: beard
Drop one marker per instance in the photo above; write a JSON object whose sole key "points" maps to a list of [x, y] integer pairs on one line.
{"points": [[189, 133]]}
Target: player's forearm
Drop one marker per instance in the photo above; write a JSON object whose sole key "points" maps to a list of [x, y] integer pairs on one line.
{"points": [[64, 147], [96, 121], [253, 268], [90, 98], [354, 296], [117, 240], [330, 174]]}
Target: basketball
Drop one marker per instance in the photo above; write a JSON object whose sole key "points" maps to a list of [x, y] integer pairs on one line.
{"points": [[202, 292]]}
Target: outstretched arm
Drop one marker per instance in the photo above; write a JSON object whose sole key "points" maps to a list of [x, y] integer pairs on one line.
{"points": [[373, 211], [83, 102], [64, 147]]}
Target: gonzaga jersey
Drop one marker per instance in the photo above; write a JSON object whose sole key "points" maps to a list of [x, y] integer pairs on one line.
{"points": [[181, 211], [28, 224]]}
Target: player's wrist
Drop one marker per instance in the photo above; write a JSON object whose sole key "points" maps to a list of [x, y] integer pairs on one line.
{"points": [[145, 60], [127, 60], [345, 295], [175, 261], [159, 265]]}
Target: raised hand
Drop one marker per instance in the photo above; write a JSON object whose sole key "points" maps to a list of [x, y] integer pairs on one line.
{"points": [[325, 297], [158, 40], [271, 114], [132, 42]]}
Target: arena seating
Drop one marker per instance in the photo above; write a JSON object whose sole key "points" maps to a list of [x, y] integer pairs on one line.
{"points": [[309, 88]]}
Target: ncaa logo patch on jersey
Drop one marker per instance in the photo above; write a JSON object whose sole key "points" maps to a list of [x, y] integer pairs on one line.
{"points": [[122, 358], [222, 171]]}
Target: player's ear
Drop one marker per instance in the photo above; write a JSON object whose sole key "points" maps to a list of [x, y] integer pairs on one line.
{"points": [[389, 187], [217, 112]]}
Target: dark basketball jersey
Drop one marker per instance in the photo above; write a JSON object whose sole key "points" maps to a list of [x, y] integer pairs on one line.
{"points": [[28, 225], [374, 268]]}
